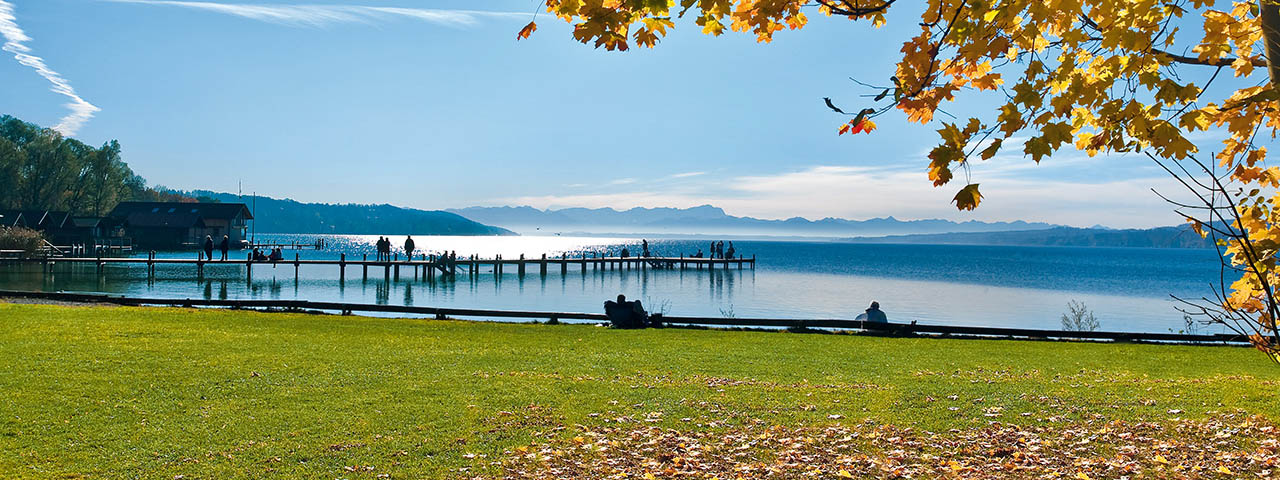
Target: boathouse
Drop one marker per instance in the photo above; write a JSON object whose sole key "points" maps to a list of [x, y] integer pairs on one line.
{"points": [[182, 224]]}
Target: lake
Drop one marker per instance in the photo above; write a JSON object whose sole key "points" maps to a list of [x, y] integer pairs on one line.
{"points": [[1127, 288]]}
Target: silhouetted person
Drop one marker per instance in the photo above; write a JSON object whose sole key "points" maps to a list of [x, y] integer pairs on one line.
{"points": [[408, 248], [208, 247], [699, 254], [730, 252], [382, 247], [276, 255], [874, 314], [624, 314], [712, 250], [224, 246], [644, 248], [625, 252]]}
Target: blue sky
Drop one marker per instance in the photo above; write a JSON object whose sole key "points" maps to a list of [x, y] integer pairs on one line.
{"points": [[434, 104]]}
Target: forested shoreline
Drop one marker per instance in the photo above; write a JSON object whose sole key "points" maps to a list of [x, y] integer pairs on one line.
{"points": [[40, 169]]}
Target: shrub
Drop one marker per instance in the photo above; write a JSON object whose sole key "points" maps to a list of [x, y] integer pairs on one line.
{"points": [[26, 240], [1079, 318]]}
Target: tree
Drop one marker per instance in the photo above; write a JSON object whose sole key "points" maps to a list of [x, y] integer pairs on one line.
{"points": [[42, 170], [1103, 76]]}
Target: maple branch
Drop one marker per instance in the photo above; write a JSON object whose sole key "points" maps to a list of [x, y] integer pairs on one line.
{"points": [[1213, 62]]}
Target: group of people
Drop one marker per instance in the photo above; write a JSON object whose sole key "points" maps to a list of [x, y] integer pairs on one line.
{"points": [[718, 251], [276, 255], [208, 247], [644, 250], [384, 249], [629, 314]]}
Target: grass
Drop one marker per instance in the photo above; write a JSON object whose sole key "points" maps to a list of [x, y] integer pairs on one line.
{"points": [[114, 392]]}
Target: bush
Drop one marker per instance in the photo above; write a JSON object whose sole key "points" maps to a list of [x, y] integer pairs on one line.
{"points": [[26, 240], [1079, 318]]}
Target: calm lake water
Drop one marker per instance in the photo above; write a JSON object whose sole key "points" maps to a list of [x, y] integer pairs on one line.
{"points": [[1128, 288]]}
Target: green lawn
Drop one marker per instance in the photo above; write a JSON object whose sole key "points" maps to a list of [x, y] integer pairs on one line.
{"points": [[114, 392]]}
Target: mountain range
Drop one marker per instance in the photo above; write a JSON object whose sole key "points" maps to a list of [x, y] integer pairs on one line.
{"points": [[709, 220], [1161, 237], [273, 215]]}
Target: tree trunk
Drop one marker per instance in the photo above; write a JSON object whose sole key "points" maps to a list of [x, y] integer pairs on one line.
{"points": [[1270, 11]]}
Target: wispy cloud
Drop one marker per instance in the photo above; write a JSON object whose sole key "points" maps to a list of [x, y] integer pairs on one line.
{"points": [[15, 42], [688, 174], [325, 15]]}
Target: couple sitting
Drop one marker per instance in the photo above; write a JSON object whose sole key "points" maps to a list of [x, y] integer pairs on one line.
{"points": [[624, 314]]}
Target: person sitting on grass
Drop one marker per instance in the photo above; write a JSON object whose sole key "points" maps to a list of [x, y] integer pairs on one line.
{"points": [[624, 314], [874, 314]]}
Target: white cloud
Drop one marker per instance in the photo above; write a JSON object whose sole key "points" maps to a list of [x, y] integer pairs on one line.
{"points": [[866, 192], [688, 174], [324, 15], [15, 39]]}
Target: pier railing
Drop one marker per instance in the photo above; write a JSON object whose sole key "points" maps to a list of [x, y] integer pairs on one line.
{"points": [[426, 266], [887, 329]]}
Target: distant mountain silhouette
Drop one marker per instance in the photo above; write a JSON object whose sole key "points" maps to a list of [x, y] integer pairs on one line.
{"points": [[289, 216], [707, 219], [1162, 237]]}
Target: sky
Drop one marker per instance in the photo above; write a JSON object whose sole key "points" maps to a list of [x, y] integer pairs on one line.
{"points": [[434, 104]]}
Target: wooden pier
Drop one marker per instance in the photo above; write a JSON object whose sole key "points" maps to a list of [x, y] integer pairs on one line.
{"points": [[426, 267]]}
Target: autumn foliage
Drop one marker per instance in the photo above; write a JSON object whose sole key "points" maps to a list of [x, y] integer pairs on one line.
{"points": [[1102, 76]]}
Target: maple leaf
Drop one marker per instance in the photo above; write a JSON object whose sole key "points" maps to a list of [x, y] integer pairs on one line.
{"points": [[968, 197], [527, 30]]}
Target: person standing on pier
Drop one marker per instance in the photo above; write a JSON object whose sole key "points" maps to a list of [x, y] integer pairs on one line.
{"points": [[224, 246], [408, 248], [208, 248]]}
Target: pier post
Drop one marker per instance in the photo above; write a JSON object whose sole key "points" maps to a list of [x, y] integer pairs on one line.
{"points": [[342, 267], [431, 268], [248, 267], [542, 270], [564, 265], [681, 262], [365, 264], [753, 261], [584, 263], [295, 264], [520, 266]]}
